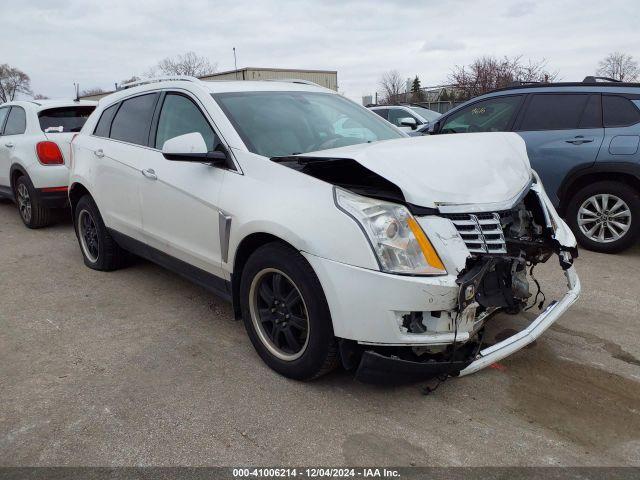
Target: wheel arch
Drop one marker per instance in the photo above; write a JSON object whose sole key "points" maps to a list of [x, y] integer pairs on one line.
{"points": [[16, 171], [627, 173], [76, 191], [245, 248]]}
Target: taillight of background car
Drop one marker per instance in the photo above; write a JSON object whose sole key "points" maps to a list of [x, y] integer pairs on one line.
{"points": [[49, 153]]}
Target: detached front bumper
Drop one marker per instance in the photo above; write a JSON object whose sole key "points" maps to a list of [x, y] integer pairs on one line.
{"points": [[521, 339], [377, 368]]}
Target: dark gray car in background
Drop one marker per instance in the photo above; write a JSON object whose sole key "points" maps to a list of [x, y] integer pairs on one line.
{"points": [[583, 140]]}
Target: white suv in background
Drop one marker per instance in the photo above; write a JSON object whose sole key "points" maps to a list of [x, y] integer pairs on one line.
{"points": [[336, 244], [34, 154]]}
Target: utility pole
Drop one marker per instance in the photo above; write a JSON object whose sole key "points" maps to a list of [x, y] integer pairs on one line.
{"points": [[235, 62]]}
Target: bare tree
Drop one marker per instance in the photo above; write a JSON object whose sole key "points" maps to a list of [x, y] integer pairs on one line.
{"points": [[12, 82], [133, 78], [619, 66], [91, 91], [187, 64], [392, 86], [488, 73]]}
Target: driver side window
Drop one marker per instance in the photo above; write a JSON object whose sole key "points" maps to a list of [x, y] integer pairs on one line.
{"points": [[180, 116], [492, 115]]}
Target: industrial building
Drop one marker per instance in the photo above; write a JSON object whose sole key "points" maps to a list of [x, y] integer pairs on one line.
{"points": [[324, 78]]}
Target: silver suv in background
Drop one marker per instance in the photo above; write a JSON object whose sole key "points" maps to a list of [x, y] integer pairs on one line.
{"points": [[411, 119]]}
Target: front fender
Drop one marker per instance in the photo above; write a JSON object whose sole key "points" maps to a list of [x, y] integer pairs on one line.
{"points": [[293, 207]]}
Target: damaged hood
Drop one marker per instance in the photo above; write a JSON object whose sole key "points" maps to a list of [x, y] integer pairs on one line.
{"points": [[459, 169]]}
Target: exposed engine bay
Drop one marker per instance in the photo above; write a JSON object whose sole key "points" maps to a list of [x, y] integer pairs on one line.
{"points": [[499, 280]]}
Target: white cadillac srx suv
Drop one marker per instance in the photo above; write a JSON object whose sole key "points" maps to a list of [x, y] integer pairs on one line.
{"points": [[370, 249], [34, 154]]}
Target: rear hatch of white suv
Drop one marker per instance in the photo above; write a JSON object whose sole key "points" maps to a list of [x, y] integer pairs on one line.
{"points": [[60, 124]]}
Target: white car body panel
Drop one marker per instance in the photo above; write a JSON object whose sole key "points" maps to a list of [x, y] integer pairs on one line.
{"points": [[436, 170], [172, 204], [118, 165], [308, 219]]}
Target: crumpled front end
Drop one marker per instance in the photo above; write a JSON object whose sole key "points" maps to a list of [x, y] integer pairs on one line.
{"points": [[492, 250]]}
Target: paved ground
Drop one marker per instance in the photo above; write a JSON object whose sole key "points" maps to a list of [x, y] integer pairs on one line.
{"points": [[140, 367]]}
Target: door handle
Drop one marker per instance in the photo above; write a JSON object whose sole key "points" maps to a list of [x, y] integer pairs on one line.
{"points": [[150, 173], [8, 144], [579, 140], [98, 153]]}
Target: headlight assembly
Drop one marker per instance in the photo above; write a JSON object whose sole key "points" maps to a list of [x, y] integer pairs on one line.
{"points": [[395, 236]]}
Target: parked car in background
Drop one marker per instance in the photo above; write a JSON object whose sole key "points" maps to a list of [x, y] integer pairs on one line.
{"points": [[583, 140], [336, 238], [35, 152], [412, 119]]}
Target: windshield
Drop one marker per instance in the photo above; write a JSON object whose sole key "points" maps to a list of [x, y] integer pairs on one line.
{"points": [[64, 119], [276, 124], [425, 113]]}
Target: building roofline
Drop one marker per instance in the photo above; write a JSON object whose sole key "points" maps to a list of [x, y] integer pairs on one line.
{"points": [[244, 69]]}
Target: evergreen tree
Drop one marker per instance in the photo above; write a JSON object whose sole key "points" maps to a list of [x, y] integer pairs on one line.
{"points": [[416, 91]]}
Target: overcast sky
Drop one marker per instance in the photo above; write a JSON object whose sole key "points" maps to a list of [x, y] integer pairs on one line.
{"points": [[99, 43]]}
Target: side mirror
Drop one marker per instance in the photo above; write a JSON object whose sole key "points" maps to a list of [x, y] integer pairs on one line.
{"points": [[192, 148], [409, 122], [434, 128]]}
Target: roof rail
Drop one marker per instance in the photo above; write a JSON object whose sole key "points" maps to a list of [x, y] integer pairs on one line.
{"points": [[519, 83], [591, 79], [137, 83], [293, 80]]}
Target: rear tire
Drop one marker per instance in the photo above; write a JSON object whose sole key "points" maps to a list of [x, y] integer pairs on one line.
{"points": [[605, 216], [99, 250], [286, 314], [31, 211]]}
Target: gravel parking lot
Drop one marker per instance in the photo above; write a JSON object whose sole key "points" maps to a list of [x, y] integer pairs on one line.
{"points": [[141, 367]]}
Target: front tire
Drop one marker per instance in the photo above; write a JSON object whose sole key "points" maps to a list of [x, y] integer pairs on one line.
{"points": [[99, 250], [605, 216], [31, 211], [286, 314]]}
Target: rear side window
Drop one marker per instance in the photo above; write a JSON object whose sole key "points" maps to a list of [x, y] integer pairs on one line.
{"points": [[180, 116], [556, 112], [104, 124], [17, 122], [133, 120], [3, 115], [65, 119], [619, 111]]}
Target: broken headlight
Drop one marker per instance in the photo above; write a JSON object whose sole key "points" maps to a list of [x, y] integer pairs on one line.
{"points": [[397, 239]]}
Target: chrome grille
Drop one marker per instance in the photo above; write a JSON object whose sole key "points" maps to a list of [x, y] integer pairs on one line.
{"points": [[481, 232]]}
